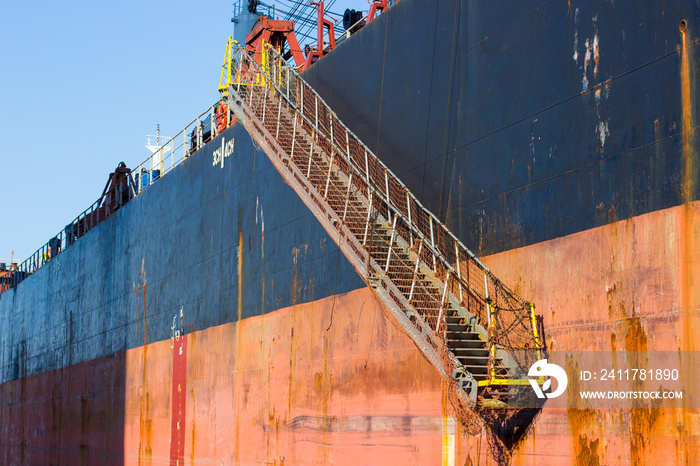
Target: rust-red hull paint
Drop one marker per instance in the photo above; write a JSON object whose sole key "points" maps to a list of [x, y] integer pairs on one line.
{"points": [[333, 381]]}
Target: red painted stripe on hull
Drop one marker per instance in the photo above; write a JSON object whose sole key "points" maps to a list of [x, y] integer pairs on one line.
{"points": [[179, 405]]}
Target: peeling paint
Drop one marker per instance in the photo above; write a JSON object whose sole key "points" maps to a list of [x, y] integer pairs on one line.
{"points": [[586, 60], [592, 53], [596, 55], [603, 132], [259, 214], [576, 20]]}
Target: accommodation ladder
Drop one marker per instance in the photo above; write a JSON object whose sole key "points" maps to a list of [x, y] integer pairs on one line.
{"points": [[481, 337]]}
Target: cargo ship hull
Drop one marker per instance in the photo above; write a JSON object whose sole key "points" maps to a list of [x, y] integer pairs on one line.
{"points": [[212, 319]]}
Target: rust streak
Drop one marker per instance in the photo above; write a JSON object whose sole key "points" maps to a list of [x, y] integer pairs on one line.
{"points": [[262, 261], [145, 422], [145, 321], [687, 117], [240, 275], [194, 411], [238, 346], [686, 234]]}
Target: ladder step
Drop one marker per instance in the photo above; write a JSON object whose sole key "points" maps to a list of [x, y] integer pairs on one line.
{"points": [[465, 343], [481, 352], [476, 359], [469, 361], [472, 369], [458, 328], [463, 336], [456, 320]]}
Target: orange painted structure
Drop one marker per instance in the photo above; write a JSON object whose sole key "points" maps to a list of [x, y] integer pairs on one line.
{"points": [[306, 385], [276, 33], [323, 26]]}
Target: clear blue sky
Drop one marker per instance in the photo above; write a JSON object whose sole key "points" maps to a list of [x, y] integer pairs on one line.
{"points": [[81, 85]]}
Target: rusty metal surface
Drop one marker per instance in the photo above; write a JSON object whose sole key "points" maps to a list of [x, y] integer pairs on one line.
{"points": [[631, 285], [299, 386]]}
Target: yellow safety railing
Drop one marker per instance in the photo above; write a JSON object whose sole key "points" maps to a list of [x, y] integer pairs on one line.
{"points": [[232, 74]]}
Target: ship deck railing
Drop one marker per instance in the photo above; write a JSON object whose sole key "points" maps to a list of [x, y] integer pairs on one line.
{"points": [[172, 153]]}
